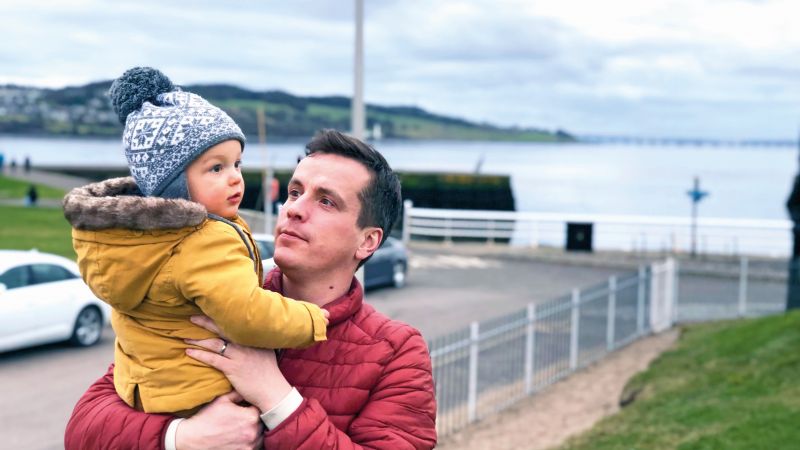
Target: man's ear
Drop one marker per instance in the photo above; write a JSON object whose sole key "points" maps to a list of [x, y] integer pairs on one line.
{"points": [[371, 240]]}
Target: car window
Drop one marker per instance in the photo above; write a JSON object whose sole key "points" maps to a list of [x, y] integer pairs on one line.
{"points": [[16, 277], [48, 273]]}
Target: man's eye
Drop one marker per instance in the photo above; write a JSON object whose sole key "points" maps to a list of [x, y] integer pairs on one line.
{"points": [[294, 193], [216, 168], [326, 202]]}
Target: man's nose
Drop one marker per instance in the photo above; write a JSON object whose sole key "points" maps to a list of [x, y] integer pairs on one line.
{"points": [[296, 209]]}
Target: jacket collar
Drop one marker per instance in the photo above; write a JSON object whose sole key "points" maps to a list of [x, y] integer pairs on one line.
{"points": [[118, 203], [340, 309]]}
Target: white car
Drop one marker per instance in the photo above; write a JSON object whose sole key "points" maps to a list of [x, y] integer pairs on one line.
{"points": [[43, 299]]}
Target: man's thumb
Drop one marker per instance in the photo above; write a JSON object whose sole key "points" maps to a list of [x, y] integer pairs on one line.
{"points": [[232, 396]]}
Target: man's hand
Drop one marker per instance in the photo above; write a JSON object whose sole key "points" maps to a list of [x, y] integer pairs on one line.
{"points": [[253, 372], [222, 424]]}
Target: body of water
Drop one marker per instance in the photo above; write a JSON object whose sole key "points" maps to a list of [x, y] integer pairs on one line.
{"points": [[744, 182]]}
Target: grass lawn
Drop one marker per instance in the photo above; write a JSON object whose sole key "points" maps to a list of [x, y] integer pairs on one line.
{"points": [[25, 228], [45, 229], [728, 385], [15, 189]]}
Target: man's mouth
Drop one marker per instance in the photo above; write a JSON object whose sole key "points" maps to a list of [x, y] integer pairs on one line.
{"points": [[291, 234]]}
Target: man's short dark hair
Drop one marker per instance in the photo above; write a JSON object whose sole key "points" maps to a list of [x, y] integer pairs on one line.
{"points": [[380, 199]]}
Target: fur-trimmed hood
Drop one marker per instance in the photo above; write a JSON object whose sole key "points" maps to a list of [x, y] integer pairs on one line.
{"points": [[118, 203]]}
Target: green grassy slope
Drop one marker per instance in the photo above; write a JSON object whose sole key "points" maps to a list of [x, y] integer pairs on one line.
{"points": [[728, 385]]}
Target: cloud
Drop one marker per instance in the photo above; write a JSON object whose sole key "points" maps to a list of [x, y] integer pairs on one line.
{"points": [[708, 68]]}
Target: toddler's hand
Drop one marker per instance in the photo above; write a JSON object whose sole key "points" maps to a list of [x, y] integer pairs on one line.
{"points": [[326, 314]]}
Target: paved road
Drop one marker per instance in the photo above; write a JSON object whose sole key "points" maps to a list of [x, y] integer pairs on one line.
{"points": [[446, 290], [39, 388]]}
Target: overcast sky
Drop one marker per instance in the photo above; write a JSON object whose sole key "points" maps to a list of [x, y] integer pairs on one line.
{"points": [[688, 68]]}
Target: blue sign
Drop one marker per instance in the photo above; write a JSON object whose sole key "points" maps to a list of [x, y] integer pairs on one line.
{"points": [[696, 194]]}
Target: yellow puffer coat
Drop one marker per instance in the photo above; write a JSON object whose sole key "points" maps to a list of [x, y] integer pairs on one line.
{"points": [[157, 262]]}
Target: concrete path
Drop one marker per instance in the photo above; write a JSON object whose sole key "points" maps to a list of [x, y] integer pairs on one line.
{"points": [[52, 179]]}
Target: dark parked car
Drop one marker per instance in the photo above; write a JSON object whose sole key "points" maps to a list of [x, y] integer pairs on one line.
{"points": [[387, 267]]}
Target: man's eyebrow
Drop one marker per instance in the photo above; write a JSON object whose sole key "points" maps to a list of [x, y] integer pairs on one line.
{"points": [[336, 197], [321, 191]]}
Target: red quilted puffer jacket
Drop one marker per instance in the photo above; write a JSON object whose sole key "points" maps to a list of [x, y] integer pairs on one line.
{"points": [[368, 386]]}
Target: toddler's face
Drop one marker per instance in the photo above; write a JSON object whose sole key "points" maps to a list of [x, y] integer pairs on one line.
{"points": [[215, 179]]}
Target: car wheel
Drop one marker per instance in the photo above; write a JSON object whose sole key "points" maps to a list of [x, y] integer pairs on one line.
{"points": [[88, 327], [399, 275]]}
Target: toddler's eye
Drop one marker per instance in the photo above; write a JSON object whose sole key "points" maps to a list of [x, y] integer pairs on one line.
{"points": [[217, 168]]}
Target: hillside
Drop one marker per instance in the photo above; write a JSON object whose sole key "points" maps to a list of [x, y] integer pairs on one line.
{"points": [[728, 385], [85, 111]]}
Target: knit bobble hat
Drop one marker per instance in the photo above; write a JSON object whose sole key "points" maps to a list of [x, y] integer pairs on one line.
{"points": [[165, 130]]}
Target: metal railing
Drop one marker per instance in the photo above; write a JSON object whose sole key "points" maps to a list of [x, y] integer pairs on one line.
{"points": [[492, 364], [610, 232], [742, 287]]}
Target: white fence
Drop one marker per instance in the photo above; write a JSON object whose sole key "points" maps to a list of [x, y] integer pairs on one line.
{"points": [[740, 288], [491, 364], [610, 232]]}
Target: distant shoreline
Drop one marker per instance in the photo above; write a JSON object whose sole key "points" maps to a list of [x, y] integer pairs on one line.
{"points": [[84, 111], [579, 140], [289, 139]]}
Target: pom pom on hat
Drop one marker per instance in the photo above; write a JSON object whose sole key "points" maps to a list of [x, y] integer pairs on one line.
{"points": [[136, 86]]}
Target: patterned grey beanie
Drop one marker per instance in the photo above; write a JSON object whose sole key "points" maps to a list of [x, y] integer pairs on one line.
{"points": [[165, 130]]}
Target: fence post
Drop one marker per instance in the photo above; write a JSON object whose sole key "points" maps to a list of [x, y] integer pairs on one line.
{"points": [[743, 269], [640, 301], [612, 312], [530, 349], [671, 286], [491, 230], [472, 396], [573, 341], [675, 288], [408, 206], [448, 231]]}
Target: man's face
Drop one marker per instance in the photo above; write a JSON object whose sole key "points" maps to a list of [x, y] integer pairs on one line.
{"points": [[317, 230]]}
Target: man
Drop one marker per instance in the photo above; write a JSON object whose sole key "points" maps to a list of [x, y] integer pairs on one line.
{"points": [[368, 386]]}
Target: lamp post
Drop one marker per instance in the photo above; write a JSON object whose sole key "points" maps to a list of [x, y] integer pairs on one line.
{"points": [[266, 186], [793, 205], [357, 105]]}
